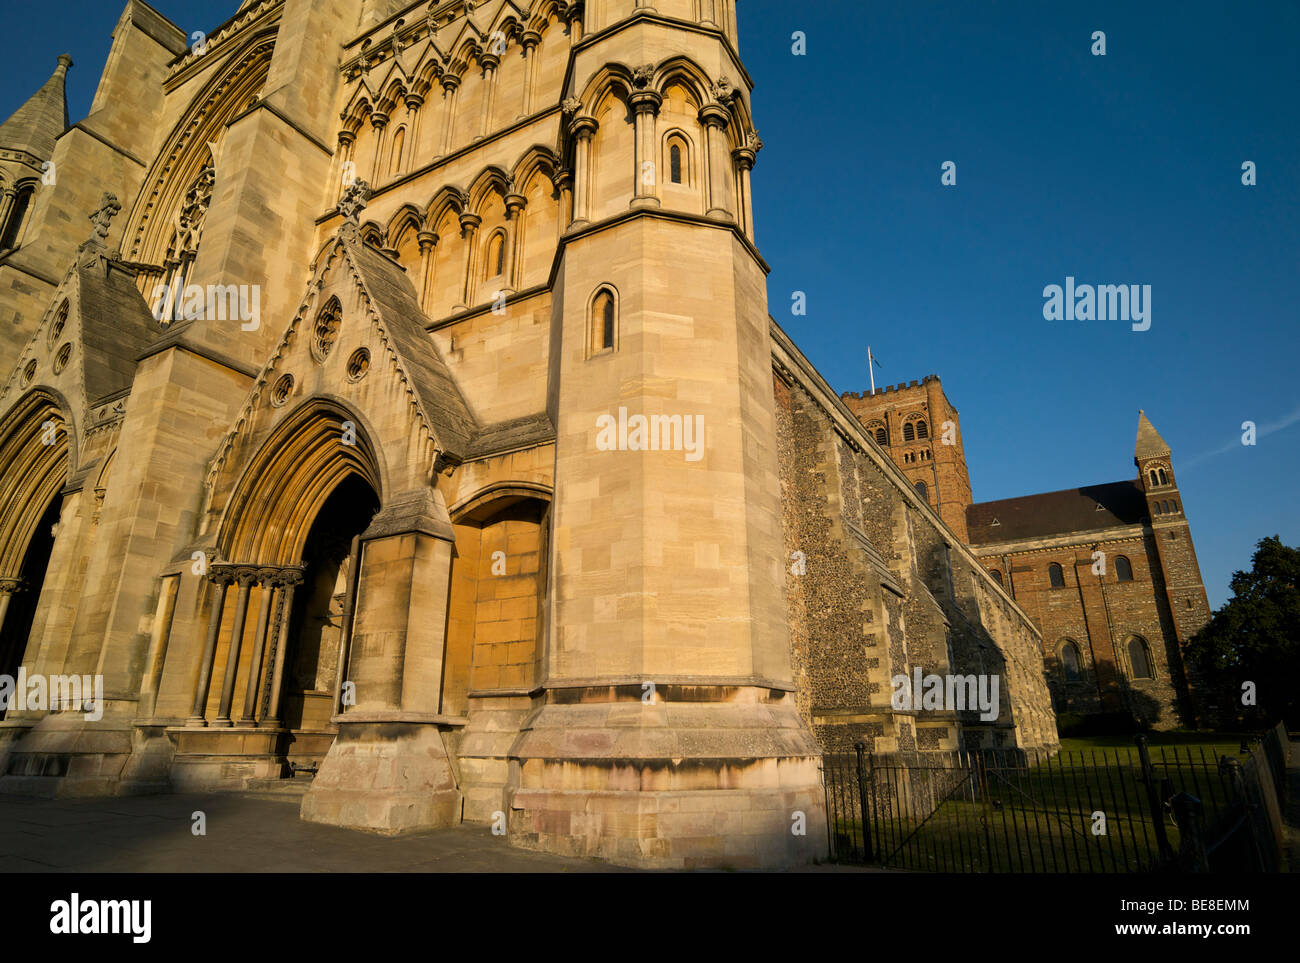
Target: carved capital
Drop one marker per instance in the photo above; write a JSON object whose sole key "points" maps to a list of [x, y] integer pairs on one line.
{"points": [[469, 223], [427, 240], [712, 115], [11, 586], [642, 76], [646, 101], [583, 127], [378, 119]]}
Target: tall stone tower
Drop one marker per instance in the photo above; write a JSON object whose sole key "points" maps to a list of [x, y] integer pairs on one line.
{"points": [[920, 429], [27, 142], [1189, 608], [668, 671]]}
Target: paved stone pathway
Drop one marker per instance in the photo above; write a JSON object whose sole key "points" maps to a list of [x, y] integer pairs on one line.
{"points": [[244, 835]]}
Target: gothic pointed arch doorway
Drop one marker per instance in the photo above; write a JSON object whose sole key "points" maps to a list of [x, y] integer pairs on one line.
{"points": [[315, 653], [278, 599], [34, 453]]}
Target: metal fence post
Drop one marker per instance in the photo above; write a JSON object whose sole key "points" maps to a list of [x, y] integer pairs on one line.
{"points": [[862, 799], [1153, 800], [1190, 816]]}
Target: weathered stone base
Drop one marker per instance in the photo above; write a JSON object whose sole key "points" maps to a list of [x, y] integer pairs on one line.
{"points": [[66, 755], [386, 777], [209, 759], [483, 754], [672, 786], [147, 770]]}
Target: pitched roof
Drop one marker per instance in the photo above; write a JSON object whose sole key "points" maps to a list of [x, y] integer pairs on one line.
{"points": [[395, 300], [37, 124], [1149, 443], [1057, 513], [116, 325]]}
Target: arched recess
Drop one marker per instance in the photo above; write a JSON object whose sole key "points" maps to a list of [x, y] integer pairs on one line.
{"points": [[286, 483], [497, 613], [289, 534], [37, 461], [148, 229], [538, 223]]}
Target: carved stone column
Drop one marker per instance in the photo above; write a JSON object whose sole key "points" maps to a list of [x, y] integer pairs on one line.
{"points": [[515, 204], [413, 104], [582, 130], [222, 579], [715, 119], [378, 121], [428, 242], [530, 40], [744, 158], [450, 84], [347, 141], [246, 576], [490, 62], [564, 198], [645, 104], [289, 579], [9, 587], [269, 578], [469, 224]]}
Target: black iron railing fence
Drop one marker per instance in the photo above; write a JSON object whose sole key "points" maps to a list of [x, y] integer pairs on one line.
{"points": [[1115, 811]]}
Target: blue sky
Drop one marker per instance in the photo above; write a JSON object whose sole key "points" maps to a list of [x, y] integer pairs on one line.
{"points": [[1117, 169]]}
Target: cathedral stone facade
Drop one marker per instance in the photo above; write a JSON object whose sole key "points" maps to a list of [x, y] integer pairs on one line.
{"points": [[407, 424], [1108, 573]]}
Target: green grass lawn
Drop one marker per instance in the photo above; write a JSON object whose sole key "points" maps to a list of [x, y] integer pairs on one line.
{"points": [[1225, 743], [1040, 817]]}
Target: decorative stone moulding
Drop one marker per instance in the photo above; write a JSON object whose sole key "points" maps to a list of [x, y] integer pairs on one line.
{"points": [[29, 372], [358, 364], [61, 359], [60, 320], [281, 390], [326, 330]]}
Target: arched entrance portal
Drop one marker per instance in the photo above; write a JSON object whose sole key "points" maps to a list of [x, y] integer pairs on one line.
{"points": [[318, 628], [22, 594], [276, 607]]}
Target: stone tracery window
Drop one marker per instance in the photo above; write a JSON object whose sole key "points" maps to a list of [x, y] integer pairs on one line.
{"points": [[326, 329], [184, 246]]}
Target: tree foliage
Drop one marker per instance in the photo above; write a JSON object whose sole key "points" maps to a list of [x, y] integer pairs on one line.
{"points": [[1254, 638]]}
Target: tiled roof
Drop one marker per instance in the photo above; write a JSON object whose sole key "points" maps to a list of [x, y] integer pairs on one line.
{"points": [[1057, 513]]}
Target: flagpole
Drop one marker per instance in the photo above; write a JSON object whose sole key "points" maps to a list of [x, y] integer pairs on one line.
{"points": [[871, 369]]}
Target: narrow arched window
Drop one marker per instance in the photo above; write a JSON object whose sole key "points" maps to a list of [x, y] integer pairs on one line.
{"points": [[882, 436], [1155, 479], [1070, 661], [399, 138], [675, 163], [909, 432], [1139, 658], [17, 214], [997, 575], [1056, 575], [1123, 569], [496, 255], [922, 430], [1164, 478], [603, 321], [922, 490]]}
